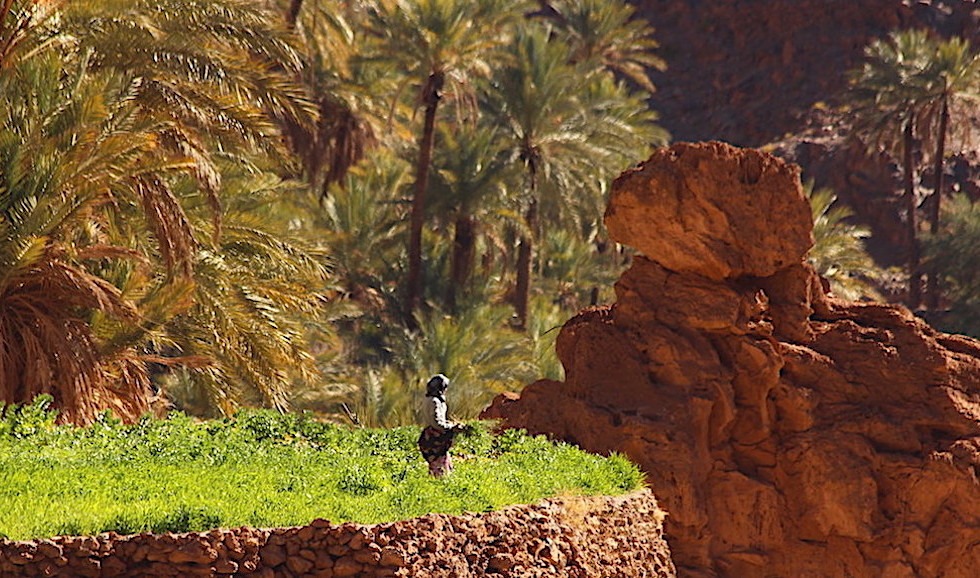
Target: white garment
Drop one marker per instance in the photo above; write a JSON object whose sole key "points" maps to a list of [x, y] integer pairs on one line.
{"points": [[435, 413]]}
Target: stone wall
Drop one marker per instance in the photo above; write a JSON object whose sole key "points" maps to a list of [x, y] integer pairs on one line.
{"points": [[573, 536]]}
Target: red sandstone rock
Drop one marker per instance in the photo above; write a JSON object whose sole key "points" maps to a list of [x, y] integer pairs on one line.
{"points": [[392, 557], [707, 230], [272, 555], [306, 552], [299, 565], [86, 568], [193, 552], [347, 566], [358, 539], [786, 433], [370, 557], [501, 563], [20, 558], [112, 567], [562, 537], [225, 567], [48, 549], [306, 533]]}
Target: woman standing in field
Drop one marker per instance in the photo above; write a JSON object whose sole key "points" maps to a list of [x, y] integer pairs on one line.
{"points": [[438, 432]]}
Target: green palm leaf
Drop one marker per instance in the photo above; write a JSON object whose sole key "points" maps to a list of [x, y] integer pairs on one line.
{"points": [[838, 253]]}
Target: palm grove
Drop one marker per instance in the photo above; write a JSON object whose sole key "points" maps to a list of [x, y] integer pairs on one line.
{"points": [[303, 203], [316, 204], [916, 95]]}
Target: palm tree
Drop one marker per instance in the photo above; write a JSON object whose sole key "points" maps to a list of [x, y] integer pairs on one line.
{"points": [[952, 74], [441, 45], [363, 226], [955, 251], [292, 13], [254, 292], [469, 185], [218, 72], [539, 108], [67, 150], [909, 83], [886, 95], [607, 36], [110, 109], [335, 43], [567, 131], [19, 20], [476, 348]]}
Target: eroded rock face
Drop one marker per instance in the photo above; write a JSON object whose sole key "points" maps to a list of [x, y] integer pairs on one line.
{"points": [[702, 229], [786, 433]]}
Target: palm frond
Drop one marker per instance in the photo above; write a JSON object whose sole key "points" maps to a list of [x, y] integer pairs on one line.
{"points": [[609, 36], [954, 251], [253, 291], [47, 346], [838, 253]]}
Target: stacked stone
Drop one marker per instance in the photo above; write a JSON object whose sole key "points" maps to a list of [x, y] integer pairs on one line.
{"points": [[576, 537]]}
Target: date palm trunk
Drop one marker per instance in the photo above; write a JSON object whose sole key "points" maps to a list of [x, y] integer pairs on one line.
{"points": [[912, 222], [293, 14], [934, 293], [431, 95], [525, 256], [464, 252]]}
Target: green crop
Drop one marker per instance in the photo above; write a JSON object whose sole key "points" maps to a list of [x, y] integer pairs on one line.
{"points": [[262, 469]]}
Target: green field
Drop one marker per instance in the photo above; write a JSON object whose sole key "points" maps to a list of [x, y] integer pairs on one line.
{"points": [[265, 469]]}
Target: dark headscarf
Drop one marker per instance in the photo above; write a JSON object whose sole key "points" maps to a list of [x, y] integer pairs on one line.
{"points": [[437, 386]]}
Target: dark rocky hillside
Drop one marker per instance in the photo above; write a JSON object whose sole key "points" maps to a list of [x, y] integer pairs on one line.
{"points": [[748, 71]]}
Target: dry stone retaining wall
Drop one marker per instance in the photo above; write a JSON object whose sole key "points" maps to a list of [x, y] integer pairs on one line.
{"points": [[574, 537]]}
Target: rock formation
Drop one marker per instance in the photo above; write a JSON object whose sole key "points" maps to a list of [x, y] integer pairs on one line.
{"points": [[786, 433]]}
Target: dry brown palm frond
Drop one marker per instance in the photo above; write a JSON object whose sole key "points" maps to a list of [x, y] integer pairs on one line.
{"points": [[124, 386], [47, 345], [188, 361], [169, 223], [337, 143], [104, 251]]}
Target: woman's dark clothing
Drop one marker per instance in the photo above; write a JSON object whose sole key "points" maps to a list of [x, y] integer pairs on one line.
{"points": [[435, 442]]}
